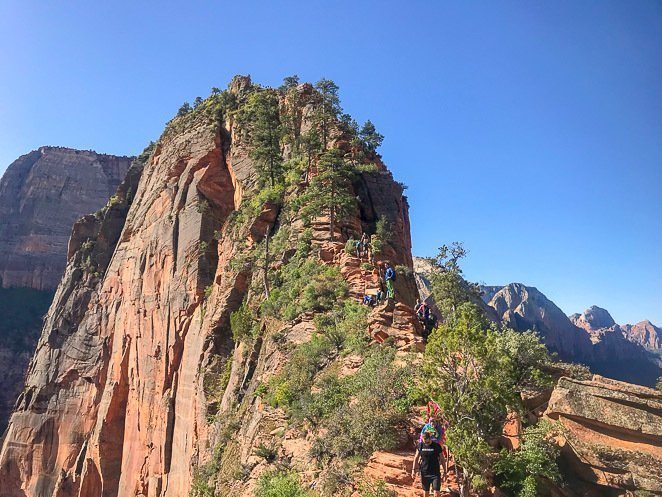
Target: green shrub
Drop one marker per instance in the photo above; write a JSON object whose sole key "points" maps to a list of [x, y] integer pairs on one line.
{"points": [[304, 287], [208, 290], [367, 168], [203, 206], [375, 489], [268, 453], [350, 246], [332, 395], [241, 323], [383, 234], [308, 359], [280, 484], [369, 418], [518, 470], [345, 326]]}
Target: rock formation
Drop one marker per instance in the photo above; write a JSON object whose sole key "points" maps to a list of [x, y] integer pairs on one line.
{"points": [[202, 295], [41, 195], [644, 333], [524, 308], [123, 396], [612, 435], [592, 338]]}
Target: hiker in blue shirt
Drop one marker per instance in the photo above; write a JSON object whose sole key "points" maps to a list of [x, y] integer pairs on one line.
{"points": [[389, 276]]}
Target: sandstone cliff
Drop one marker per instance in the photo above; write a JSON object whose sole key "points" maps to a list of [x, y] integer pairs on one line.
{"points": [[138, 379], [612, 434], [42, 194], [644, 333]]}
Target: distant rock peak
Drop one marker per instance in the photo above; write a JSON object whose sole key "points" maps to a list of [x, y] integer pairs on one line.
{"points": [[597, 317]]}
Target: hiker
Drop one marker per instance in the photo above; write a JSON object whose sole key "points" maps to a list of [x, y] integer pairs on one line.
{"points": [[436, 426], [363, 244], [369, 300], [430, 323], [422, 312], [357, 247], [389, 276], [369, 253], [428, 462]]}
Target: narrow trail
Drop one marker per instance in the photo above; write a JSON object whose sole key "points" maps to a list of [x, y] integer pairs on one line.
{"points": [[397, 322], [395, 469]]}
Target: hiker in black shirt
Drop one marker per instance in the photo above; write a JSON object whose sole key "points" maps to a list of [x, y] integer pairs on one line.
{"points": [[428, 461]]}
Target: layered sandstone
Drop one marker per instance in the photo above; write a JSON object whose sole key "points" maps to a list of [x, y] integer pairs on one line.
{"points": [[42, 194], [117, 400], [612, 434]]}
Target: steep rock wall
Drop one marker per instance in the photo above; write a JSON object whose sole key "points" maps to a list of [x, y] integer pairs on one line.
{"points": [[42, 194], [115, 402]]}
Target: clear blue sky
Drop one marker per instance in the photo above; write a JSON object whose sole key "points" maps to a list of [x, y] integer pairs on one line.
{"points": [[531, 131]]}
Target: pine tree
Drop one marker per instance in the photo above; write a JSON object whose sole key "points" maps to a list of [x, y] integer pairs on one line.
{"points": [[197, 102], [311, 144], [331, 189], [184, 109], [370, 137], [266, 132], [290, 82], [292, 111], [328, 109]]}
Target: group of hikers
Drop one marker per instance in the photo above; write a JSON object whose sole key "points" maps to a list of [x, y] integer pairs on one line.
{"points": [[387, 277], [432, 455], [431, 452], [386, 290]]}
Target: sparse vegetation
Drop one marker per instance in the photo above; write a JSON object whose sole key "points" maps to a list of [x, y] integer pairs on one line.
{"points": [[305, 286], [242, 324], [368, 416], [375, 489], [280, 483]]}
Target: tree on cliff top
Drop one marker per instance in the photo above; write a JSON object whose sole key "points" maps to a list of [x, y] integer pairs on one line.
{"points": [[263, 120], [330, 190], [371, 139], [328, 109]]}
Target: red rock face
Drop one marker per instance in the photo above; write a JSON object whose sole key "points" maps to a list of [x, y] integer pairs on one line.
{"points": [[115, 402], [42, 194], [644, 333], [612, 434]]}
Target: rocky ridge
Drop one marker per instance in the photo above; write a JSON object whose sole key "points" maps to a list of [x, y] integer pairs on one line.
{"points": [[147, 315], [591, 338], [142, 318]]}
